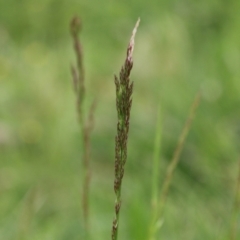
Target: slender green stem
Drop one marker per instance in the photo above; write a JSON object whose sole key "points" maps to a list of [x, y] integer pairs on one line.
{"points": [[156, 161], [154, 227]]}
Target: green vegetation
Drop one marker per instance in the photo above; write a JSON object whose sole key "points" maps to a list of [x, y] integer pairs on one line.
{"points": [[181, 47]]}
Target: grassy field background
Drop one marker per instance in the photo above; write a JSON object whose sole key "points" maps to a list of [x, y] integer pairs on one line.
{"points": [[181, 47]]}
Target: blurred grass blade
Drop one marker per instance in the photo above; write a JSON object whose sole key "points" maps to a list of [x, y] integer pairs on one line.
{"points": [[85, 123], [156, 161], [154, 227]]}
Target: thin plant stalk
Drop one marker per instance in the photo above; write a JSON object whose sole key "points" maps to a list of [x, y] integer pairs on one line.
{"points": [[155, 165], [86, 123], [156, 222], [236, 209], [124, 90], [156, 161]]}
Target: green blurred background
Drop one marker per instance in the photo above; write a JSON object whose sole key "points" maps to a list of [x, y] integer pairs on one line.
{"points": [[181, 47]]}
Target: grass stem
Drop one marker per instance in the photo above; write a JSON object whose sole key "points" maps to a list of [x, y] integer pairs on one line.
{"points": [[86, 123], [156, 222], [156, 161]]}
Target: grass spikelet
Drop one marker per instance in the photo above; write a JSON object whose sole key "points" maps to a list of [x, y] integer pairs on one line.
{"points": [[86, 122], [124, 89]]}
